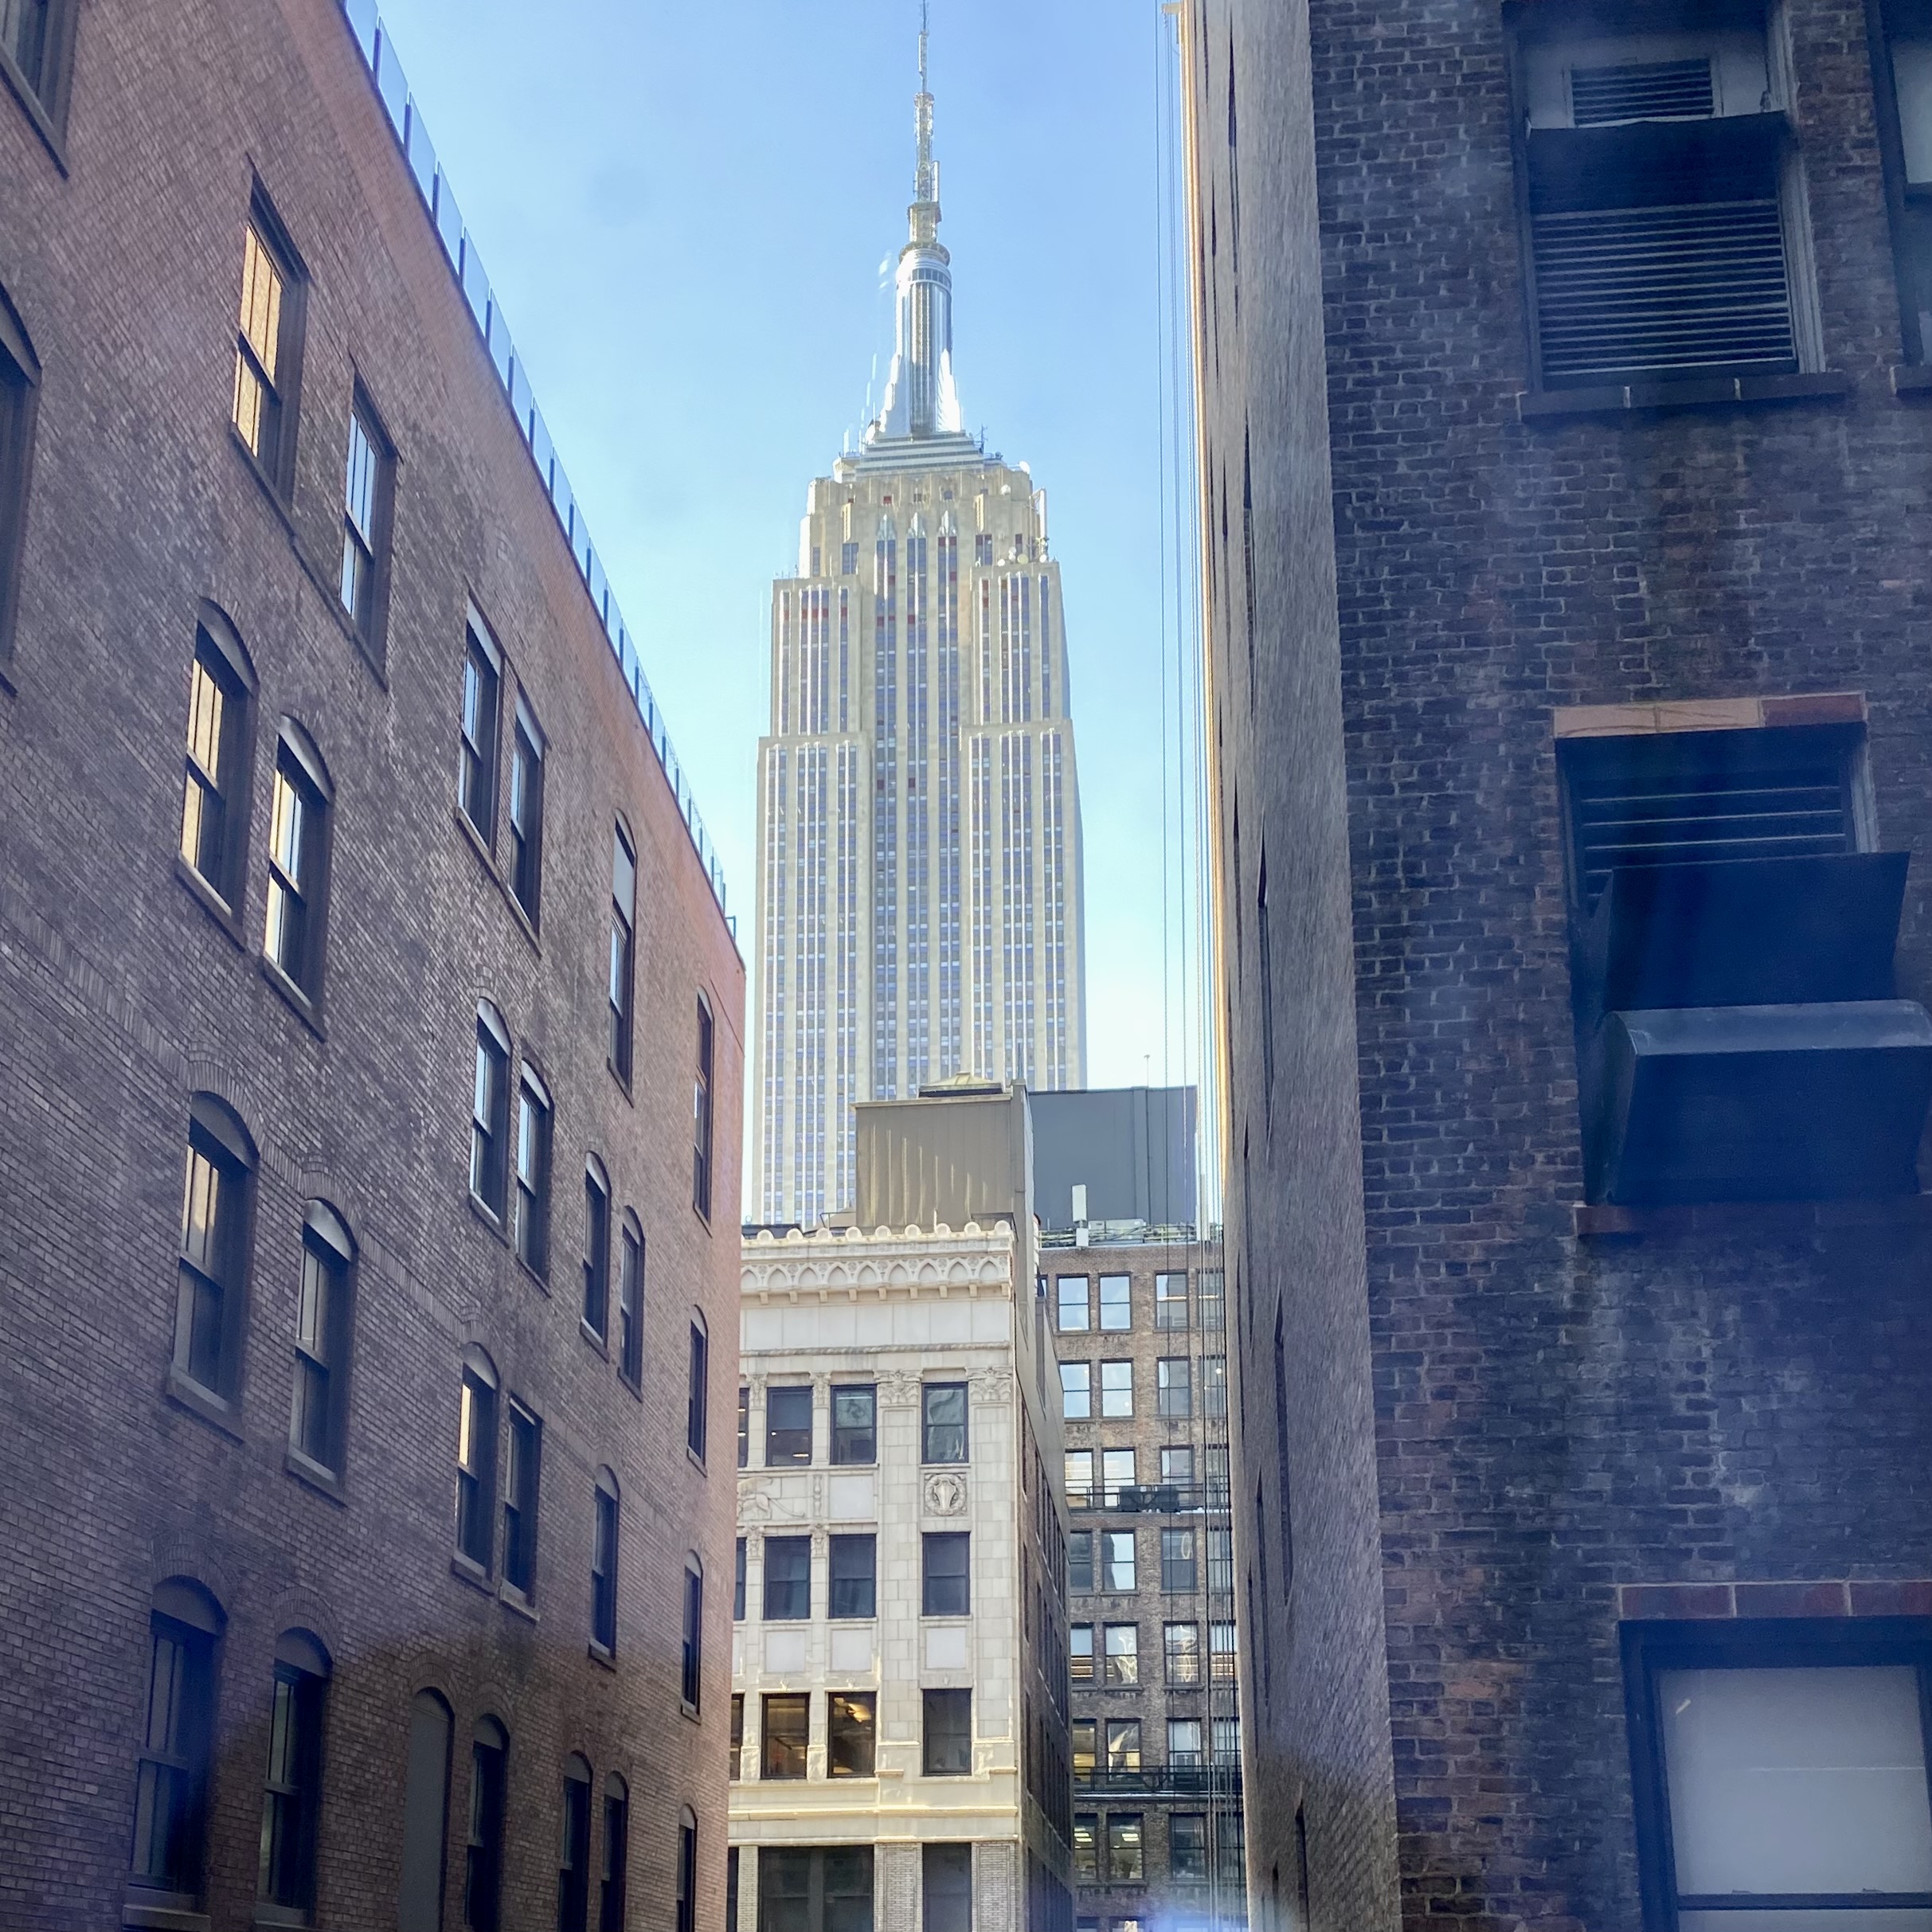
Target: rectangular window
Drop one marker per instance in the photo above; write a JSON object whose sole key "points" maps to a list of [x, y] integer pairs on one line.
{"points": [[1125, 1864], [32, 36], [1118, 1475], [948, 1733], [1182, 1645], [297, 854], [597, 1254], [367, 492], [573, 1857], [1184, 1744], [788, 1426], [1214, 1299], [1083, 1734], [942, 1435], [475, 1469], [1116, 1303], [1075, 1304], [1221, 1649], [291, 1797], [1171, 1300], [848, 559], [267, 342], [1123, 1747], [1187, 1848], [1225, 1733], [527, 814], [701, 1113], [1214, 1387], [686, 1917], [476, 765], [1080, 1651], [171, 1781], [1123, 1653], [731, 1891], [482, 1872], [616, 1884], [1231, 1846], [946, 1574], [520, 1492], [854, 1561], [1220, 1562], [213, 1264], [787, 1731], [1177, 1464], [1080, 1562], [1117, 1390], [854, 1423], [1215, 1458], [947, 1888], [1116, 1560], [828, 1890], [737, 1584], [1179, 1571], [19, 393], [737, 1735], [1174, 1383], [533, 1215], [603, 1555], [623, 963], [316, 1411], [691, 1677], [490, 1117], [1904, 128], [1087, 1856], [850, 1731], [788, 1579], [1076, 1391], [698, 1393], [1079, 1478], [631, 1306], [214, 812]]}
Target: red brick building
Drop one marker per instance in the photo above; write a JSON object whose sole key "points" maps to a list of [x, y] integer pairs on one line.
{"points": [[1563, 371], [371, 1029]]}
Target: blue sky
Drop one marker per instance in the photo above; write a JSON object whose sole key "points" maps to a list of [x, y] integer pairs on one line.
{"points": [[685, 211]]}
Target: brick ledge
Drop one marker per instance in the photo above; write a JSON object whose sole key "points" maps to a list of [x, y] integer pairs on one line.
{"points": [[1604, 1219], [1837, 1597]]}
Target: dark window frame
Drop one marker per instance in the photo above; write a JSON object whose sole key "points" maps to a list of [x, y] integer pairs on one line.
{"points": [[784, 1442], [292, 1788], [223, 663], [595, 1313], [214, 1275], [365, 587], [935, 1448], [738, 1570], [633, 1256], [691, 1681], [294, 931], [701, 1110], [621, 984], [946, 1888], [522, 1498], [606, 1557], [849, 1439], [44, 86], [843, 1728], [945, 1746], [490, 1116], [781, 1748], [945, 1573], [851, 1587], [613, 1883], [573, 1849], [20, 390], [698, 1388], [479, 1403], [529, 750], [483, 1865], [187, 1620], [281, 399], [794, 1604], [536, 1129], [324, 1343], [686, 1918]]}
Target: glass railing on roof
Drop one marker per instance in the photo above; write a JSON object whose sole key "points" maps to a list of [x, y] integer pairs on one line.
{"points": [[385, 72]]}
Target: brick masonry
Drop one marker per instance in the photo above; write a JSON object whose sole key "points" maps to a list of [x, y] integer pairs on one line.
{"points": [[1497, 1423], [120, 996]]}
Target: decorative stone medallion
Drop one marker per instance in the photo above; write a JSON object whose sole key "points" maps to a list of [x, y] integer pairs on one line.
{"points": [[945, 1496]]}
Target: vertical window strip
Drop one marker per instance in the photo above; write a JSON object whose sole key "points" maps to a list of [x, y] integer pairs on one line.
{"points": [[294, 841], [257, 402]]}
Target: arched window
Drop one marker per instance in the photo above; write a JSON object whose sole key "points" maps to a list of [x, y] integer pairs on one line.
{"points": [[630, 1302], [482, 1872], [210, 1308], [691, 1675], [603, 1564], [214, 812], [573, 1866], [489, 1112], [482, 688], [687, 1869], [324, 1325], [425, 1816], [535, 1112], [292, 1798], [170, 1821], [476, 1459], [596, 1249], [616, 1854], [299, 815]]}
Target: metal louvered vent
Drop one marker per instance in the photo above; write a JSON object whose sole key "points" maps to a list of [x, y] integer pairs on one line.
{"points": [[1641, 91], [1627, 292], [1661, 817]]}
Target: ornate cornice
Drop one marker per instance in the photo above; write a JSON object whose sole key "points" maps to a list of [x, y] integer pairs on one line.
{"points": [[880, 1262]]}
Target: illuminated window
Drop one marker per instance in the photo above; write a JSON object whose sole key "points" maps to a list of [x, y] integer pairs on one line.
{"points": [[266, 343], [214, 796]]}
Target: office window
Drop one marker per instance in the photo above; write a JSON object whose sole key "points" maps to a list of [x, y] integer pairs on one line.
{"points": [[1782, 1765], [1079, 1561], [476, 1460], [521, 1480], [691, 1678], [828, 1890], [1075, 1304], [1174, 1386], [1076, 1391], [854, 1423], [526, 748], [1083, 1735], [1215, 1458], [1230, 1845], [1080, 1653], [1116, 1307], [573, 1859], [209, 1316], [948, 1733], [268, 341], [1123, 1653], [631, 1304], [489, 1112], [19, 393], [1117, 1390], [788, 1729], [1125, 1863], [324, 1320], [605, 1526], [687, 1871], [1221, 1562], [1116, 1560], [596, 1249], [1182, 1645], [482, 681], [788, 1579], [425, 1815], [854, 1563], [1177, 1464], [214, 811], [1086, 1855], [1118, 1474], [1214, 1299], [1123, 1746], [737, 1583], [788, 1426], [1220, 1650], [701, 1112], [532, 1202], [368, 490], [298, 862], [170, 1823], [1079, 1478], [1171, 1300], [483, 1862], [614, 1884], [1224, 1734], [1214, 1387], [622, 979], [943, 1434], [1180, 1570], [849, 1733], [698, 1393], [946, 1574], [1184, 1743], [1187, 1848], [947, 1888], [737, 1734]]}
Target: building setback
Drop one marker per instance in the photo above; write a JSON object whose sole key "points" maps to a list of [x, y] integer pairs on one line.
{"points": [[1563, 374], [372, 1034], [920, 875]]}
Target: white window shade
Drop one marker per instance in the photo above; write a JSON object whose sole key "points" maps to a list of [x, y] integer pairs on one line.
{"points": [[1740, 79], [1797, 1780]]}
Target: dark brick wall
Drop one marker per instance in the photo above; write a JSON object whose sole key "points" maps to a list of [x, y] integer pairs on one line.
{"points": [[1741, 1400], [120, 996]]}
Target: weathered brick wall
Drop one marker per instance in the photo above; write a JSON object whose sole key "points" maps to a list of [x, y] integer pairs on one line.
{"points": [[120, 996], [1553, 1417]]}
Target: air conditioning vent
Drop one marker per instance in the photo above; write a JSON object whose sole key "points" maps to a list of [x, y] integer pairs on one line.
{"points": [[1623, 293], [1642, 90]]}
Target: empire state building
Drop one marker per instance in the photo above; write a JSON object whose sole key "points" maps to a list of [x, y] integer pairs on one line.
{"points": [[919, 882]]}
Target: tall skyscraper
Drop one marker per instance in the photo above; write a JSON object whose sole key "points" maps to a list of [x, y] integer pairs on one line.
{"points": [[919, 883]]}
